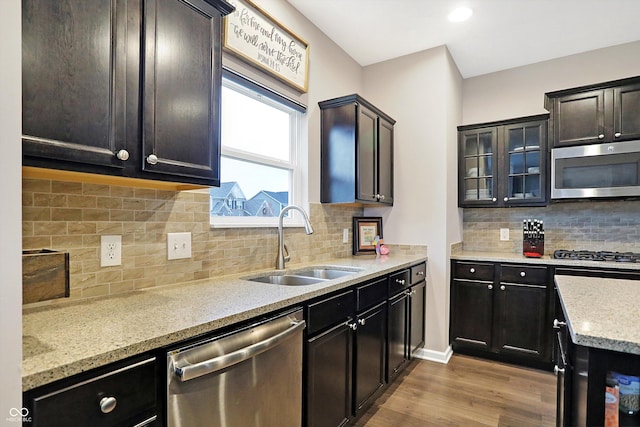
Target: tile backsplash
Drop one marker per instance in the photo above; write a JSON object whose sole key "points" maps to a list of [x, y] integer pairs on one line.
{"points": [[594, 225], [72, 216]]}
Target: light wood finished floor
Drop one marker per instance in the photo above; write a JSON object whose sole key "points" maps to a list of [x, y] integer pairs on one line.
{"points": [[465, 392]]}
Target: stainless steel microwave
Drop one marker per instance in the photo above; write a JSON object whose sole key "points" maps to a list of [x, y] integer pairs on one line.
{"points": [[599, 170]]}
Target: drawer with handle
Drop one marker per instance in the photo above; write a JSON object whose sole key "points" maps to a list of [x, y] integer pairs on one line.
{"points": [[473, 271], [418, 273], [399, 282], [125, 396], [525, 274]]}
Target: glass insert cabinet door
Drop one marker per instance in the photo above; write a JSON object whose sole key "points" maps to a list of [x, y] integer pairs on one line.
{"points": [[523, 161], [478, 164]]}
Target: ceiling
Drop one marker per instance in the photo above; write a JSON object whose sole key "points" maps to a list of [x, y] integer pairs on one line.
{"points": [[501, 34]]}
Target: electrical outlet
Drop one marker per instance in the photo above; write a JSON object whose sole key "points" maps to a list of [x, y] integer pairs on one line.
{"points": [[110, 250], [345, 235], [504, 234], [178, 245]]}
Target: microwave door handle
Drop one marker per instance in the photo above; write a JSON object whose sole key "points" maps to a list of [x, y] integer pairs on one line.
{"points": [[189, 372]]}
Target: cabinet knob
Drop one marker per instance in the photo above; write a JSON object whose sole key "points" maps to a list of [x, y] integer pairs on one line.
{"points": [[362, 322], [617, 134], [558, 324], [557, 370], [152, 159], [377, 196], [522, 274], [503, 287], [601, 136], [494, 200], [382, 197], [506, 199], [489, 287], [122, 155], [108, 404], [353, 326], [400, 281], [472, 270]]}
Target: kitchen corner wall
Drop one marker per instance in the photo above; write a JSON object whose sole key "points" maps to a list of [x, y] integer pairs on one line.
{"points": [[72, 216], [594, 225]]}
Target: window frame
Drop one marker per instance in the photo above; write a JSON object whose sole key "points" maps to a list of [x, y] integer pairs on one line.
{"points": [[296, 165]]}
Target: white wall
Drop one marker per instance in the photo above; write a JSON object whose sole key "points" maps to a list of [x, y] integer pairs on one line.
{"points": [[520, 91], [10, 213], [422, 92]]}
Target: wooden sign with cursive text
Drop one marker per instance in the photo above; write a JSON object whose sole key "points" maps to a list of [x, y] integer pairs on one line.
{"points": [[256, 37]]}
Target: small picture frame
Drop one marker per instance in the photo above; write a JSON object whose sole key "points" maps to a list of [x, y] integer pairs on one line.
{"points": [[365, 229]]}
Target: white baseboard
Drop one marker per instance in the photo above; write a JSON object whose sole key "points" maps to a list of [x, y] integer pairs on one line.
{"points": [[435, 356]]}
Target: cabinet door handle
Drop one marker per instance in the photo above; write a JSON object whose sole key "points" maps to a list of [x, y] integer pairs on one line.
{"points": [[503, 287], [108, 404], [601, 136], [353, 325], [122, 155], [522, 274], [420, 273], [490, 287], [617, 134], [558, 324], [400, 281], [506, 199], [472, 270], [362, 322], [557, 370], [152, 159], [494, 200]]}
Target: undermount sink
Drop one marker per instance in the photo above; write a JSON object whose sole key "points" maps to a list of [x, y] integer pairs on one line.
{"points": [[325, 273], [305, 277], [287, 279]]}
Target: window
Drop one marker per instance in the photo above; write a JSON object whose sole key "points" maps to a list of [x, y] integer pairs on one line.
{"points": [[260, 165]]}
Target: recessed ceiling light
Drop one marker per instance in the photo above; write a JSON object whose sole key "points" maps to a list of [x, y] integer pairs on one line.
{"points": [[460, 14]]}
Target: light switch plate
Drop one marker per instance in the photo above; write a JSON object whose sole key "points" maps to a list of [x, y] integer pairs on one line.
{"points": [[504, 234], [110, 250], [345, 235], [178, 245]]}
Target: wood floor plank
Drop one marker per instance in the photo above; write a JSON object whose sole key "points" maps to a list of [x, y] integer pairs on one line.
{"points": [[466, 392]]}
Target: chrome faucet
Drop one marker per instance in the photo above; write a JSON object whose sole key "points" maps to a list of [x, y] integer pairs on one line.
{"points": [[282, 248]]}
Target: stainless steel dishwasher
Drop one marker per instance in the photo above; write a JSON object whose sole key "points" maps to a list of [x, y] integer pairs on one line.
{"points": [[249, 377]]}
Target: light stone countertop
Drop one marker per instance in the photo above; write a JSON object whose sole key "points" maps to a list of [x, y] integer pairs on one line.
{"points": [[546, 259], [602, 313], [65, 339]]}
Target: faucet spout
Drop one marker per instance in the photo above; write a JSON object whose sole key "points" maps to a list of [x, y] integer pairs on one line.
{"points": [[281, 259]]}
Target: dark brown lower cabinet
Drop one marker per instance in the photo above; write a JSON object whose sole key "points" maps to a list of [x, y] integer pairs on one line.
{"points": [[329, 371], [370, 348], [357, 341], [502, 311], [397, 330], [471, 314], [417, 323], [521, 331]]}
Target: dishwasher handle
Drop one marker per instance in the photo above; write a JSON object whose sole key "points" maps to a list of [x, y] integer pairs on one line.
{"points": [[189, 372]]}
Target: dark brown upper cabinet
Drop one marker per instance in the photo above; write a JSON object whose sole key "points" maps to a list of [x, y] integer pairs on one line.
{"points": [[123, 88], [356, 152], [503, 163], [606, 112]]}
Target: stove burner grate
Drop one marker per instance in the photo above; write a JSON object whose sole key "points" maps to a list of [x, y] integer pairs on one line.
{"points": [[582, 255]]}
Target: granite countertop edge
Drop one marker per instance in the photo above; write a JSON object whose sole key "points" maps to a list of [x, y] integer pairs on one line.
{"points": [[65, 339], [597, 316]]}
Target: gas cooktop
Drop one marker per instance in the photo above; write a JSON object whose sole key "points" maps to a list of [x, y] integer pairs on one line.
{"points": [[597, 256]]}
